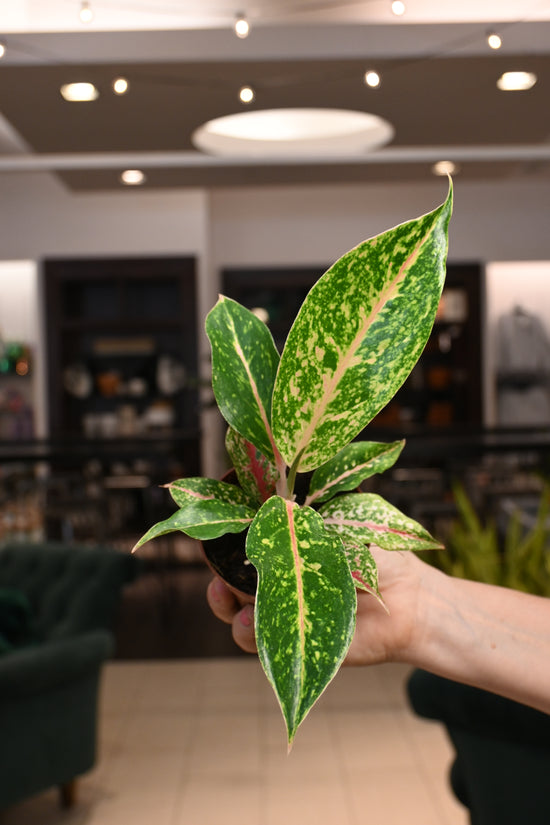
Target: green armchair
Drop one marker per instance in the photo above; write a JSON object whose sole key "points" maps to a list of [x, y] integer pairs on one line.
{"points": [[57, 607], [502, 750]]}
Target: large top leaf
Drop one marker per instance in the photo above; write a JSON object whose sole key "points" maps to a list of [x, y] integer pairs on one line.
{"points": [[244, 364], [358, 335]]}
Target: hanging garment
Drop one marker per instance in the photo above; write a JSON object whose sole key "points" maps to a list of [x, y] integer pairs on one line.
{"points": [[523, 370]]}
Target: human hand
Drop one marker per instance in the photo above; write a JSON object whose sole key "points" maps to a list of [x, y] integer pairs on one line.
{"points": [[380, 635], [234, 611]]}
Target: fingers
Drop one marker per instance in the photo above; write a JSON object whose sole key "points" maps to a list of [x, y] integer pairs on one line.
{"points": [[227, 607], [243, 629], [223, 603]]}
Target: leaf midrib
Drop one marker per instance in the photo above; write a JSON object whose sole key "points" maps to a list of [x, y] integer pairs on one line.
{"points": [[341, 369]]}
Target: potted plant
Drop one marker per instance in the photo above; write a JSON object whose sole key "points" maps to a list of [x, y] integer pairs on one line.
{"points": [[357, 336]]}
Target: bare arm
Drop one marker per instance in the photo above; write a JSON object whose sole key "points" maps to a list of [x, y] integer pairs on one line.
{"points": [[489, 637]]}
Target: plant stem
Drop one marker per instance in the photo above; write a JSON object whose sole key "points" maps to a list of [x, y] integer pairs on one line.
{"points": [[291, 480]]}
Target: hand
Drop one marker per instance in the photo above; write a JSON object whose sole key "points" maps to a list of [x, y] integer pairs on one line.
{"points": [[379, 635], [234, 611]]}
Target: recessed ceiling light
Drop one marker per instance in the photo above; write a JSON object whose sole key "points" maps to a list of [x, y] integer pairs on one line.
{"points": [[516, 81], [398, 8], [293, 132], [132, 177], [120, 86], [242, 26], [246, 94], [494, 41], [445, 167], [372, 79], [2, 50], [79, 92]]}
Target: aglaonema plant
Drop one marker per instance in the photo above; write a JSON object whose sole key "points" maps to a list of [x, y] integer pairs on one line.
{"points": [[356, 338]]}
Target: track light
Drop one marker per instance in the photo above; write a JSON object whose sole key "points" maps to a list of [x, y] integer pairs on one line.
{"points": [[372, 79], [242, 27], [86, 14], [120, 85], [246, 94]]}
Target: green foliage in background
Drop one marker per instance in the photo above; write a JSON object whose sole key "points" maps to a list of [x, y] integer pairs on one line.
{"points": [[518, 558]]}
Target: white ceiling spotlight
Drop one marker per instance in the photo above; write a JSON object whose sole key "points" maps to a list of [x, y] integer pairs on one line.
{"points": [[85, 14], [132, 177], [494, 40], [79, 92], [246, 94], [398, 8], [2, 50], [120, 85], [287, 133], [516, 81], [372, 79], [242, 26]]}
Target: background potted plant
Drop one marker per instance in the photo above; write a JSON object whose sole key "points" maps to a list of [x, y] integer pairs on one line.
{"points": [[356, 338]]}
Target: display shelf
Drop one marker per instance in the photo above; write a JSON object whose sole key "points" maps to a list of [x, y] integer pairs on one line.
{"points": [[121, 345], [444, 390]]}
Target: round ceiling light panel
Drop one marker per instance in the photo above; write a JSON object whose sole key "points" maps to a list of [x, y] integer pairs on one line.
{"points": [[293, 132]]}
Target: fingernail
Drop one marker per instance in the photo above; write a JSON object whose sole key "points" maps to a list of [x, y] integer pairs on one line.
{"points": [[217, 589], [246, 616]]}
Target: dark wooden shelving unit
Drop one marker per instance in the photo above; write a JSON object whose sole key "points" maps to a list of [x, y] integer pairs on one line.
{"points": [[444, 391], [113, 319]]}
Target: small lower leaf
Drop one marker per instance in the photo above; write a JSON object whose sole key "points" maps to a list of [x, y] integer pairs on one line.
{"points": [[351, 466], [203, 520], [305, 604], [186, 491], [362, 565]]}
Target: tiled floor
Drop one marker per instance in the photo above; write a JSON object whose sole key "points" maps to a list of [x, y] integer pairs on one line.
{"points": [[198, 742]]}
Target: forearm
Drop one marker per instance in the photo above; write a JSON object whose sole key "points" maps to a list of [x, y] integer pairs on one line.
{"points": [[485, 636]]}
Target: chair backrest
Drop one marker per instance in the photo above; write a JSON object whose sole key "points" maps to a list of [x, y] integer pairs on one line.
{"points": [[71, 588]]}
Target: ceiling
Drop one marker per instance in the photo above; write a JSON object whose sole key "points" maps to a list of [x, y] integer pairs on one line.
{"points": [[438, 87]]}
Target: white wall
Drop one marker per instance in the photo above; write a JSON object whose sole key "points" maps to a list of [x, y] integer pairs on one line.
{"points": [[316, 224], [20, 320]]}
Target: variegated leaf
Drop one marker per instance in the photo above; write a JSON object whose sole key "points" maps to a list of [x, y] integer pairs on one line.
{"points": [[244, 364], [351, 466], [305, 604], [203, 519], [257, 475], [357, 337], [185, 491], [363, 568], [367, 518], [362, 565]]}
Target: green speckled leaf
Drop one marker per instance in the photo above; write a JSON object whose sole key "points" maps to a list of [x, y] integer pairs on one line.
{"points": [[363, 568], [305, 604], [369, 519], [362, 565], [257, 475], [244, 364], [350, 467], [186, 491], [358, 335], [203, 519]]}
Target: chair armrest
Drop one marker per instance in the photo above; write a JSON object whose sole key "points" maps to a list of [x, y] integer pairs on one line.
{"points": [[38, 668], [478, 711]]}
